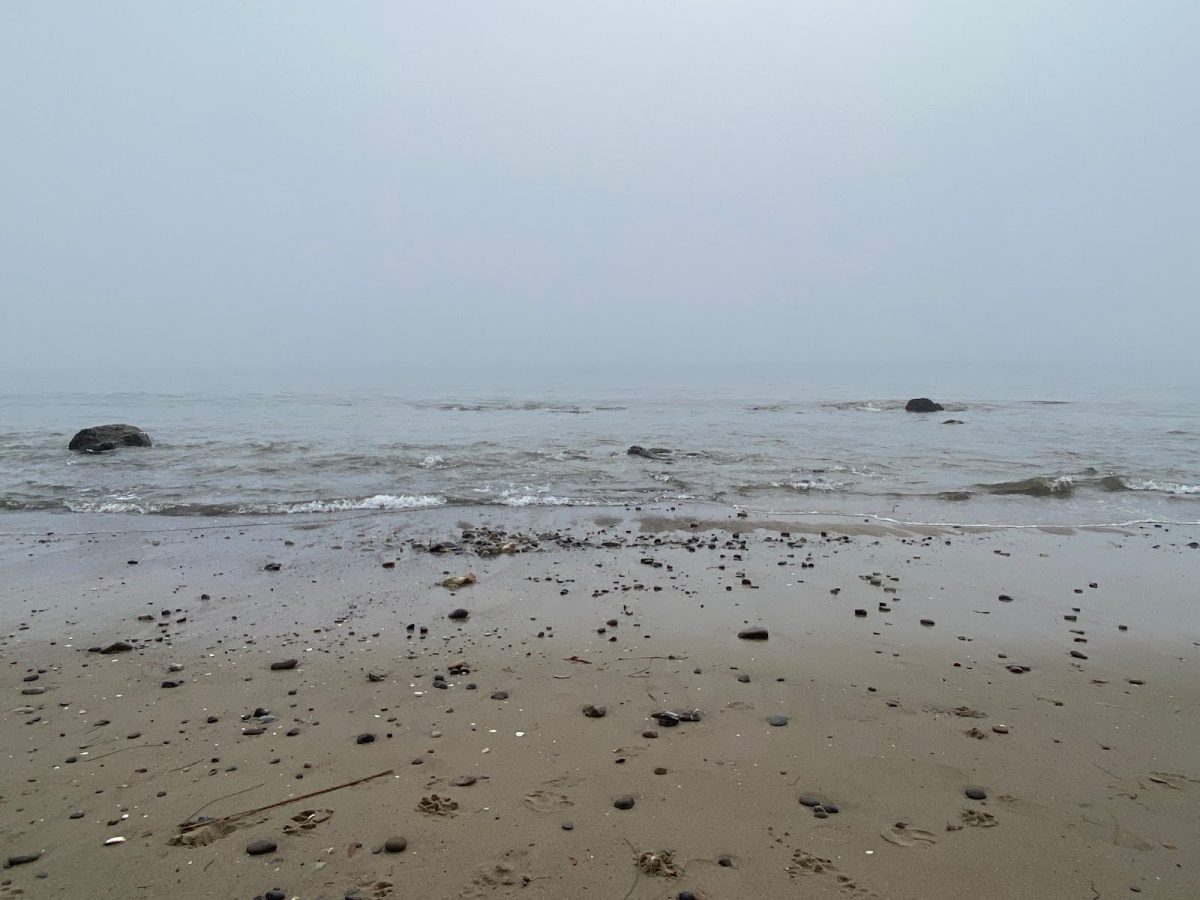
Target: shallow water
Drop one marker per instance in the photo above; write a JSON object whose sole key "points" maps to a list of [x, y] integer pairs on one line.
{"points": [[1064, 457]]}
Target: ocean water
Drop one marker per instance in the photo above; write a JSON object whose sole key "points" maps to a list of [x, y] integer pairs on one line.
{"points": [[1025, 454]]}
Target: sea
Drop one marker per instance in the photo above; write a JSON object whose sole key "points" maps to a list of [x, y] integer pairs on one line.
{"points": [[1025, 449]]}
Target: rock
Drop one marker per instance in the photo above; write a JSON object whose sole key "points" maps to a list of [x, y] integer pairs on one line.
{"points": [[660, 770], [744, 678], [500, 695], [365, 738], [810, 800], [395, 844], [172, 683], [594, 712], [275, 894], [777, 721], [454, 582], [20, 859], [464, 781], [754, 633], [283, 665], [652, 453], [975, 792], [623, 802], [103, 438], [568, 825], [928, 623], [117, 647], [922, 405], [1000, 729], [954, 422], [1078, 655], [459, 613], [260, 847]]}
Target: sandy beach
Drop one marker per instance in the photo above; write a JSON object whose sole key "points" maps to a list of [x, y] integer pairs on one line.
{"points": [[1051, 672]]}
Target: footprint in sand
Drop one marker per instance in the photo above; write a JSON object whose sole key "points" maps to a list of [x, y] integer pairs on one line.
{"points": [[977, 818], [805, 863], [908, 837], [547, 801]]}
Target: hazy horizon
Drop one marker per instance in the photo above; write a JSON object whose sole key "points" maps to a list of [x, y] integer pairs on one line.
{"points": [[273, 191]]}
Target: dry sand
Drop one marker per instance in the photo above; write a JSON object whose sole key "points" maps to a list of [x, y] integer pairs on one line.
{"points": [[1092, 792]]}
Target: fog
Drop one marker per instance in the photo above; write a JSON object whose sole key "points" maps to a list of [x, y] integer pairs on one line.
{"points": [[234, 190]]}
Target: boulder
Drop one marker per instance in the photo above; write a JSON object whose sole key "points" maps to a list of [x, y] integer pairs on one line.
{"points": [[922, 404], [103, 438]]}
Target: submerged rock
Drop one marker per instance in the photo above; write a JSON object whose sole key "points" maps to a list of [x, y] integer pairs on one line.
{"points": [[102, 438]]}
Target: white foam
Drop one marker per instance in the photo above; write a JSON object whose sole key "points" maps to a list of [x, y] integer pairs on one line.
{"points": [[433, 461], [379, 501], [1163, 487]]}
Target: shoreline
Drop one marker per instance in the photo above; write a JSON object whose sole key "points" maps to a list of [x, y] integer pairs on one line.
{"points": [[1093, 781]]}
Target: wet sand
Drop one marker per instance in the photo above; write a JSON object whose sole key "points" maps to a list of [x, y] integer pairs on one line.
{"points": [[1090, 765]]}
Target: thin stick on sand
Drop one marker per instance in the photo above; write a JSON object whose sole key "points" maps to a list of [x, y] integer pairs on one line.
{"points": [[192, 826]]}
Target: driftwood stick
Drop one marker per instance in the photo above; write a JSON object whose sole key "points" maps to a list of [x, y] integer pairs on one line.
{"points": [[192, 826]]}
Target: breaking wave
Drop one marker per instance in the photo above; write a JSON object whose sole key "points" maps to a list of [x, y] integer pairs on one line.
{"points": [[1038, 486]]}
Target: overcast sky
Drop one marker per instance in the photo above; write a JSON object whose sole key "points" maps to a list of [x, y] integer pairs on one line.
{"points": [[288, 185]]}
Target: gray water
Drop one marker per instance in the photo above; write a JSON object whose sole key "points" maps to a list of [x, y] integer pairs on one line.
{"points": [[1026, 453]]}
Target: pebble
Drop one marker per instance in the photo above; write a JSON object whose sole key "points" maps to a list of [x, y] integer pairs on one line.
{"points": [[623, 802], [811, 800], [974, 792], [927, 622], [260, 847], [395, 844], [21, 859], [283, 664], [365, 738], [660, 770], [595, 712], [1078, 655], [756, 633], [777, 721], [275, 895], [650, 734], [458, 613], [172, 683], [1135, 681], [117, 647], [500, 695], [464, 781], [568, 825], [744, 678], [1000, 729]]}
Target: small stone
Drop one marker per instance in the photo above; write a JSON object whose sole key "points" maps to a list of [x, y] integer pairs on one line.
{"points": [[172, 683], [283, 664], [117, 647], [623, 802], [365, 738], [1078, 655], [744, 678], [260, 847], [464, 781], [594, 712], [928, 623], [459, 613], [568, 825], [1135, 681], [275, 895], [756, 633], [78, 814], [974, 792], [811, 800], [20, 859], [395, 844], [271, 567], [777, 721], [650, 734], [861, 613], [660, 770], [500, 695], [1000, 729], [819, 813]]}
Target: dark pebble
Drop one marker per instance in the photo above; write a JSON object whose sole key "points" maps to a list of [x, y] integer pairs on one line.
{"points": [[117, 647], [500, 695], [810, 800], [625, 802], [594, 712], [459, 613], [975, 793], [395, 845], [21, 859], [283, 664], [365, 738], [172, 684], [928, 623], [568, 825], [1078, 655], [260, 847], [744, 678], [464, 781], [777, 721], [757, 633], [660, 770], [650, 734], [275, 895]]}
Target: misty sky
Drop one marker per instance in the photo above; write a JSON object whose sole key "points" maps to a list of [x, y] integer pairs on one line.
{"points": [[272, 185]]}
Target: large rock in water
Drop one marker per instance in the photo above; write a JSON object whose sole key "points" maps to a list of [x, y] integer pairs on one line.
{"points": [[652, 453], [922, 404], [102, 438]]}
